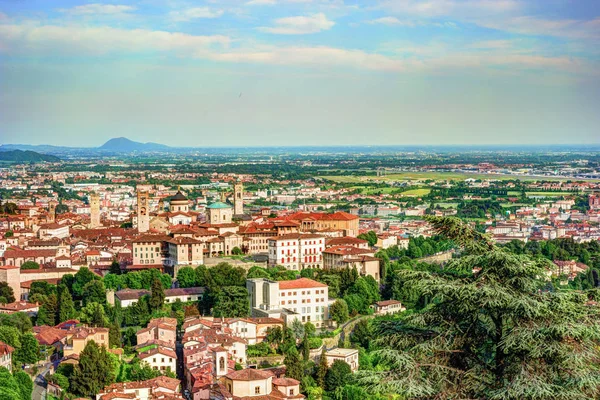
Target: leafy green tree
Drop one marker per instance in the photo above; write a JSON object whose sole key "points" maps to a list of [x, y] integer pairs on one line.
{"points": [[274, 336], [139, 371], [231, 302], [370, 237], [157, 298], [9, 387], [60, 380], [334, 282], [309, 329], [362, 334], [297, 329], [488, 334], [339, 311], [11, 336], [94, 371], [293, 365], [95, 292], [258, 272], [29, 351], [338, 375], [79, 281], [186, 276], [93, 314], [236, 251], [115, 268], [6, 293], [30, 265], [66, 308], [25, 384], [18, 320]]}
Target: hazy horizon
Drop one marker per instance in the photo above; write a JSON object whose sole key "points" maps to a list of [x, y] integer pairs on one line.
{"points": [[300, 72]]}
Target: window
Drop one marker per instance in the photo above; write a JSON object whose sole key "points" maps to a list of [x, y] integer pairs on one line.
{"points": [[291, 392], [257, 390], [222, 363]]}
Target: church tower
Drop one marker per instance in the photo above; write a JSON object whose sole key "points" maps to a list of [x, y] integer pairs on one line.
{"points": [[94, 210], [52, 210], [143, 212], [238, 198]]}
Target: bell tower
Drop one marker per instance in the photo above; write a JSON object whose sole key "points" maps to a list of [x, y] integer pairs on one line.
{"points": [[94, 210], [143, 213], [238, 198]]}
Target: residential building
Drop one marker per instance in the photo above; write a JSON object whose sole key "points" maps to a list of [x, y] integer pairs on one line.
{"points": [[160, 358], [162, 330], [296, 251], [78, 337], [161, 387], [6, 356], [388, 307], [349, 356], [304, 299]]}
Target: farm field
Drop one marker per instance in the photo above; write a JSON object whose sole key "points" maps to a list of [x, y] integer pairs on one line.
{"points": [[404, 176], [416, 192]]}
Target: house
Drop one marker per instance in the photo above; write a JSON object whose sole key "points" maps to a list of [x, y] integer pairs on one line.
{"points": [[296, 251], [352, 257], [388, 307], [78, 337], [19, 306], [254, 383], [349, 356], [161, 387], [163, 330], [128, 297], [6, 356], [160, 358]]}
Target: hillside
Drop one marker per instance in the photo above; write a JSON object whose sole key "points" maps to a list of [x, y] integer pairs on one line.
{"points": [[26, 156]]}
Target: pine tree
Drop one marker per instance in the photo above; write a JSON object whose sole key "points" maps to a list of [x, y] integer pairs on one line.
{"points": [[322, 369], [66, 308], [488, 331], [157, 298], [49, 311], [305, 347], [94, 371], [293, 365]]}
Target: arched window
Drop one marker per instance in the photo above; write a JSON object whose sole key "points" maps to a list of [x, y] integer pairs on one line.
{"points": [[222, 363]]}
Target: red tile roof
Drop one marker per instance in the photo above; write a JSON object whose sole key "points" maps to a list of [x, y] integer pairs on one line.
{"points": [[301, 283]]}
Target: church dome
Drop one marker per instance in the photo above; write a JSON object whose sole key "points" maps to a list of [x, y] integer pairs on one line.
{"points": [[179, 198]]}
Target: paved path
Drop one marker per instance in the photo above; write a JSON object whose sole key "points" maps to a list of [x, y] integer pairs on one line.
{"points": [[39, 384]]}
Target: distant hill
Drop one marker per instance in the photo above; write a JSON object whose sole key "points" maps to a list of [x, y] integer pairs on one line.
{"points": [[124, 145], [26, 156]]}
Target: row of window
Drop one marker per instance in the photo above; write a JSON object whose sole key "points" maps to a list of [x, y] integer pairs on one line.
{"points": [[304, 292]]}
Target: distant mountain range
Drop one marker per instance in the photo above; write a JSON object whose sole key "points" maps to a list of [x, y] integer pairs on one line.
{"points": [[26, 156], [124, 145]]}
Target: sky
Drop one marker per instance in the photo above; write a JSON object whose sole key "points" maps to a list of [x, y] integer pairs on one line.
{"points": [[300, 72]]}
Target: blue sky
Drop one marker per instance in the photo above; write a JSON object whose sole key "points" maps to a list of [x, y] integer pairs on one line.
{"points": [[294, 72]]}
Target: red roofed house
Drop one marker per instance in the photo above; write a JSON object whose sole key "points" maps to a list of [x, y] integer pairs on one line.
{"points": [[6, 356], [254, 383]]}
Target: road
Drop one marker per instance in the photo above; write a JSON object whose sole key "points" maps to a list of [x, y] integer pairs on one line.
{"points": [[39, 384]]}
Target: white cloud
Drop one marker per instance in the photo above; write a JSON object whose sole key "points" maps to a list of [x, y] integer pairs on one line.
{"points": [[261, 2], [299, 25], [36, 40], [97, 8], [391, 21], [194, 13], [100, 40]]}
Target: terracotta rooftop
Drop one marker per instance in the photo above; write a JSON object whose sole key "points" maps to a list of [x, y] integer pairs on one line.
{"points": [[301, 283], [249, 374]]}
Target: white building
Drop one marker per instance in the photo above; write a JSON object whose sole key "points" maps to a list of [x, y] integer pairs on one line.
{"points": [[160, 358], [303, 299], [296, 251], [349, 356]]}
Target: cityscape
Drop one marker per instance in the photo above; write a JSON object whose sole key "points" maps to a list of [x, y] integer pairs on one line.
{"points": [[300, 199]]}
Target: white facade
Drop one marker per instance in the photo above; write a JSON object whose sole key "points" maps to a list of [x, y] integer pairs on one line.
{"points": [[307, 298], [296, 251]]}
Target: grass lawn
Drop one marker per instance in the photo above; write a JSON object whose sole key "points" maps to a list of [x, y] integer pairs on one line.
{"points": [[549, 194], [447, 205], [416, 192]]}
